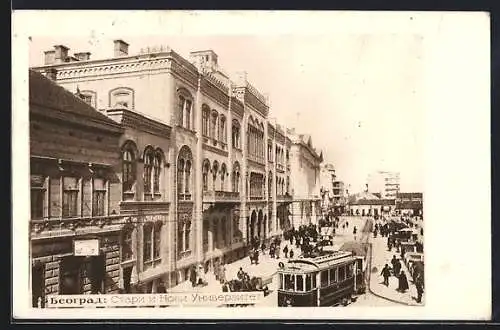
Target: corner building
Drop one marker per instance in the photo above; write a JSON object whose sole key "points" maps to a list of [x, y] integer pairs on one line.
{"points": [[220, 188]]}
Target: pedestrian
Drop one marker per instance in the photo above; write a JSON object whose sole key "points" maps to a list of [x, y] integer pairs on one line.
{"points": [[285, 251], [403, 283], [403, 253], [192, 276], [291, 254], [161, 288], [397, 268], [386, 272], [277, 251], [419, 283], [263, 248], [241, 274], [222, 274]]}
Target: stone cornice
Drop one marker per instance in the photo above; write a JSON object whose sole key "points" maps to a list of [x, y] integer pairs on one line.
{"points": [[137, 121]]}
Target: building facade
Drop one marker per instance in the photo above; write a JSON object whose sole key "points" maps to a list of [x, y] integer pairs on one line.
{"points": [[385, 183], [367, 204], [207, 135], [75, 194], [305, 169], [410, 203]]}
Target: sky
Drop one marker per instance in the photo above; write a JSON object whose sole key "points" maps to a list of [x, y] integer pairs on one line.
{"points": [[359, 95]]}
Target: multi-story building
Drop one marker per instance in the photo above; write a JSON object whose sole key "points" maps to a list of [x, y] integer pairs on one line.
{"points": [[367, 204], [305, 171], [216, 194], [75, 227], [385, 183]]}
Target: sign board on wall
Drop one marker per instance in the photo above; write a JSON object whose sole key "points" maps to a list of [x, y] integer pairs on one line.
{"points": [[86, 247]]}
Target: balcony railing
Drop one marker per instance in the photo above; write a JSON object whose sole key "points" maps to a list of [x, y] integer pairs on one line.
{"points": [[37, 227], [284, 198], [256, 198], [221, 197]]}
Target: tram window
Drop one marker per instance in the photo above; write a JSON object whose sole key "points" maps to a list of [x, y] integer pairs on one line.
{"points": [[333, 277], [314, 280], [324, 278], [350, 270], [309, 282], [300, 282], [289, 282], [281, 282], [342, 273]]}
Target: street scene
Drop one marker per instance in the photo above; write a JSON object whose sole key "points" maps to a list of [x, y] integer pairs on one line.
{"points": [[176, 165]]}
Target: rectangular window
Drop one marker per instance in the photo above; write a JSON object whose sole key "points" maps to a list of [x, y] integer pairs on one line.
{"points": [[99, 198], [281, 282], [180, 239], [70, 197], [187, 236], [157, 242], [333, 275], [147, 243], [300, 282], [324, 278], [37, 203], [127, 253], [341, 273], [308, 282], [181, 110], [314, 280], [350, 270], [289, 282]]}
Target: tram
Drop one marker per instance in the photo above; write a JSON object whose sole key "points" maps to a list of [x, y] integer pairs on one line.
{"points": [[327, 280]]}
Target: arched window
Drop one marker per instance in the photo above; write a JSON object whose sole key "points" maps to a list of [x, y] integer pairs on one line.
{"points": [[128, 169], [206, 169], [121, 97], [213, 124], [235, 177], [223, 171], [187, 176], [157, 172], [184, 161], [185, 108], [180, 176], [183, 234], [287, 185], [222, 129], [270, 184], [206, 115], [215, 171], [148, 170], [235, 134]]}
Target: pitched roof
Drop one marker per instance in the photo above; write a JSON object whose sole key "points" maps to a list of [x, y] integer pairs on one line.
{"points": [[49, 95]]}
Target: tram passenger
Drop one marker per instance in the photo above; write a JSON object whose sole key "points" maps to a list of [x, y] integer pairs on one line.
{"points": [[291, 254], [285, 251]]}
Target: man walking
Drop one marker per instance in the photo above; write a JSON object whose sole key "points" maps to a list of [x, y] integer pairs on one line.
{"points": [[386, 273]]}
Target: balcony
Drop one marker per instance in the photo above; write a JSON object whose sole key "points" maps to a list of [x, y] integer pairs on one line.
{"points": [[284, 198], [256, 198], [63, 226], [221, 197]]}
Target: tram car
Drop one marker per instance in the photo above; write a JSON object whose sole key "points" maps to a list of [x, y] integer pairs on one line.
{"points": [[328, 280]]}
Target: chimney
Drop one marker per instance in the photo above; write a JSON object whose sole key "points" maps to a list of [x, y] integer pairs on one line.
{"points": [[121, 48], [51, 73], [61, 53], [49, 57], [83, 56]]}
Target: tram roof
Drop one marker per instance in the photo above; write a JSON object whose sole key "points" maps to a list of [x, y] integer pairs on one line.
{"points": [[318, 263]]}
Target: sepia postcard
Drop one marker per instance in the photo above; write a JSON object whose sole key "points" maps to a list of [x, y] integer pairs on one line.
{"points": [[273, 163]]}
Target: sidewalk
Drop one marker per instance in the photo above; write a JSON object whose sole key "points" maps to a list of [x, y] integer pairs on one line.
{"points": [[380, 257], [266, 267]]}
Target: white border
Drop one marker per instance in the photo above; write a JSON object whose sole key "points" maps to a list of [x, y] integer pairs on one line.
{"points": [[457, 163]]}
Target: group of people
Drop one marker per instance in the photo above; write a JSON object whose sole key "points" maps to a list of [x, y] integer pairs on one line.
{"points": [[396, 272]]}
